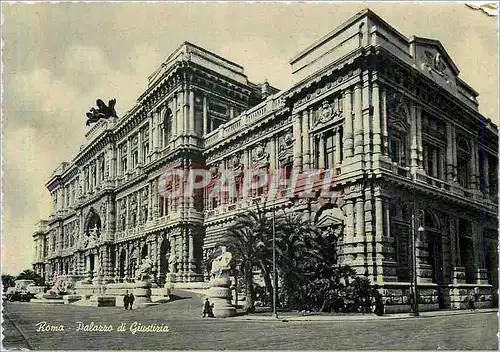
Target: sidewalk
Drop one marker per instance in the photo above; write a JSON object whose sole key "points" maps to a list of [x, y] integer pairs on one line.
{"points": [[323, 317]]}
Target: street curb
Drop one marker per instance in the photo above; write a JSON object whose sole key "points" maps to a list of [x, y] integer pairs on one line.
{"points": [[360, 318]]}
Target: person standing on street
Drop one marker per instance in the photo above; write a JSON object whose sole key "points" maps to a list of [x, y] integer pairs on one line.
{"points": [[126, 300], [131, 300]]}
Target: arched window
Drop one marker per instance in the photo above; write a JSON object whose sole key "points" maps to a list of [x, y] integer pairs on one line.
{"points": [[167, 127]]}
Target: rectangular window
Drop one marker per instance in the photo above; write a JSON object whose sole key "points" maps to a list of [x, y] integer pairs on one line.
{"points": [[135, 158]]}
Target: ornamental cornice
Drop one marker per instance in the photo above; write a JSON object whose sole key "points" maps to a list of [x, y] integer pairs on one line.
{"points": [[171, 74], [89, 151]]}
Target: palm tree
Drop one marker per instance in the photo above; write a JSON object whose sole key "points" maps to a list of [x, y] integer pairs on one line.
{"points": [[297, 241], [247, 240], [29, 274]]}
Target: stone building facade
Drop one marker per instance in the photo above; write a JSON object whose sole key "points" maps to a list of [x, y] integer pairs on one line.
{"points": [[386, 117]]}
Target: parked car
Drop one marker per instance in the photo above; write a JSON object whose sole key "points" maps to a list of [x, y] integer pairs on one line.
{"points": [[15, 295], [20, 293]]}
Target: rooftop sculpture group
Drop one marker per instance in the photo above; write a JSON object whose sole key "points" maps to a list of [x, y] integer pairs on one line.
{"points": [[103, 111]]}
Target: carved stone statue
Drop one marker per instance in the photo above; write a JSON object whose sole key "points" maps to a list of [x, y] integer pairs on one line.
{"points": [[103, 111], [145, 269], [220, 265], [172, 262]]}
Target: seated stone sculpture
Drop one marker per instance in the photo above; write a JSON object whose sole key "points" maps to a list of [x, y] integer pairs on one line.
{"points": [[221, 264], [145, 270]]}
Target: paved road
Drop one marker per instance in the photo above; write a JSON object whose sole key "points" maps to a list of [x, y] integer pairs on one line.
{"points": [[187, 330]]}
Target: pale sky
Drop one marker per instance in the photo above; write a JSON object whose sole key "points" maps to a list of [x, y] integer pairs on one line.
{"points": [[59, 58]]}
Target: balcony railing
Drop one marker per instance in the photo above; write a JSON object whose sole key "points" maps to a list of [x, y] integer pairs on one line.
{"points": [[247, 118]]}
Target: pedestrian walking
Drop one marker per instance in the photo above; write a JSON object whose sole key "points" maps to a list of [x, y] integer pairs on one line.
{"points": [[206, 308], [471, 302], [131, 300], [126, 300]]}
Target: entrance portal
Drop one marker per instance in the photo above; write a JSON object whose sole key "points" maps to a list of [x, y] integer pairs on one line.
{"points": [[123, 262], [164, 251]]}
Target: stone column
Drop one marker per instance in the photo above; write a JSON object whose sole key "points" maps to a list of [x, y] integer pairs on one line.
{"points": [[474, 165], [191, 251], [338, 152], [349, 231], [154, 194], [205, 115], [186, 111], [418, 112], [348, 128], [192, 129], [449, 153], [97, 172], [379, 236], [297, 146], [272, 154], [152, 134], [358, 121], [174, 117], [454, 148], [360, 219], [305, 140], [321, 149], [486, 173], [377, 132], [246, 178], [367, 120], [139, 148], [414, 137], [129, 155], [384, 120]]}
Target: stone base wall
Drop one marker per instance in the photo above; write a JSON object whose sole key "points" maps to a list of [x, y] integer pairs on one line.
{"points": [[461, 293]]}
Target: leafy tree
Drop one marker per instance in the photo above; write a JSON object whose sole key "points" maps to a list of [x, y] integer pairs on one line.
{"points": [[7, 281]]}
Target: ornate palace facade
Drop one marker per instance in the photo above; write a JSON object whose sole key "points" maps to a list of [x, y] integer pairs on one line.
{"points": [[386, 116]]}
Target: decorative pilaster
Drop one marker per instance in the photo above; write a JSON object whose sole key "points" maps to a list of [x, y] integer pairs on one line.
{"points": [[377, 132], [174, 117], [360, 218], [486, 173], [474, 165], [185, 109], [383, 120], [205, 115], [366, 120], [192, 129], [418, 115], [349, 231], [273, 154], [338, 146], [306, 154], [348, 127], [414, 137], [297, 146], [358, 121], [449, 153], [321, 150]]}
